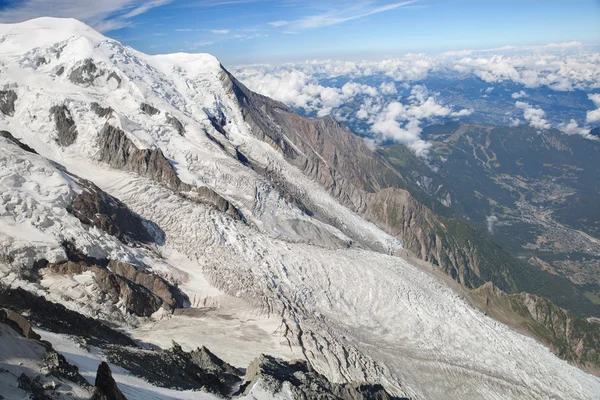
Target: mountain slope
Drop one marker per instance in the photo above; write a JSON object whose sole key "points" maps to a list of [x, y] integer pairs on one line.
{"points": [[267, 257], [373, 185]]}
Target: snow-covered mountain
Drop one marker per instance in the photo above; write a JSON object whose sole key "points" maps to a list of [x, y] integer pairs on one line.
{"points": [[157, 194]]}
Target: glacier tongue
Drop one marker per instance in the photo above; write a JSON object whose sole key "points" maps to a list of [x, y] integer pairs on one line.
{"points": [[317, 290]]}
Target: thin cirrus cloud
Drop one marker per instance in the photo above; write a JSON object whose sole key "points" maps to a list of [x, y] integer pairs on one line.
{"points": [[339, 15], [103, 15]]}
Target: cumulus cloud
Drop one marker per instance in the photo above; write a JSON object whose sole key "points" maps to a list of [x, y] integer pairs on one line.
{"points": [[402, 122], [388, 88], [534, 116], [519, 95], [594, 115], [103, 16], [299, 89]]}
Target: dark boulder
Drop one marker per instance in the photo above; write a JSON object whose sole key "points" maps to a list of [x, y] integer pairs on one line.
{"points": [[178, 369]]}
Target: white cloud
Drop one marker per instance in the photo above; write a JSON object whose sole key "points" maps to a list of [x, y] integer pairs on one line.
{"points": [[519, 95], [388, 88], [595, 98], [105, 15], [402, 122], [535, 116], [594, 115], [220, 31], [278, 24]]}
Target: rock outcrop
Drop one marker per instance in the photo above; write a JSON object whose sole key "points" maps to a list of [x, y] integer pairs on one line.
{"points": [[95, 207], [105, 387], [86, 73], [119, 152], [178, 369], [65, 126], [101, 111], [304, 383], [17, 142], [570, 336], [57, 318], [148, 109], [175, 123], [7, 102], [140, 292], [19, 324]]}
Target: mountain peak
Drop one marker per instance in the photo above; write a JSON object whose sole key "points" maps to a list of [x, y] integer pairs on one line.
{"points": [[39, 32]]}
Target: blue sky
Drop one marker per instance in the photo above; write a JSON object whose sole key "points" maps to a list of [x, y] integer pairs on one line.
{"points": [[250, 31]]}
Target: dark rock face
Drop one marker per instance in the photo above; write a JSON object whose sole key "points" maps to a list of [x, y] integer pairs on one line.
{"points": [[119, 152], [105, 386], [175, 123], [60, 71], [595, 132], [101, 111], [177, 369], [86, 73], [7, 102], [305, 383], [9, 136], [40, 61], [95, 207], [57, 318], [67, 131], [148, 109]]}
